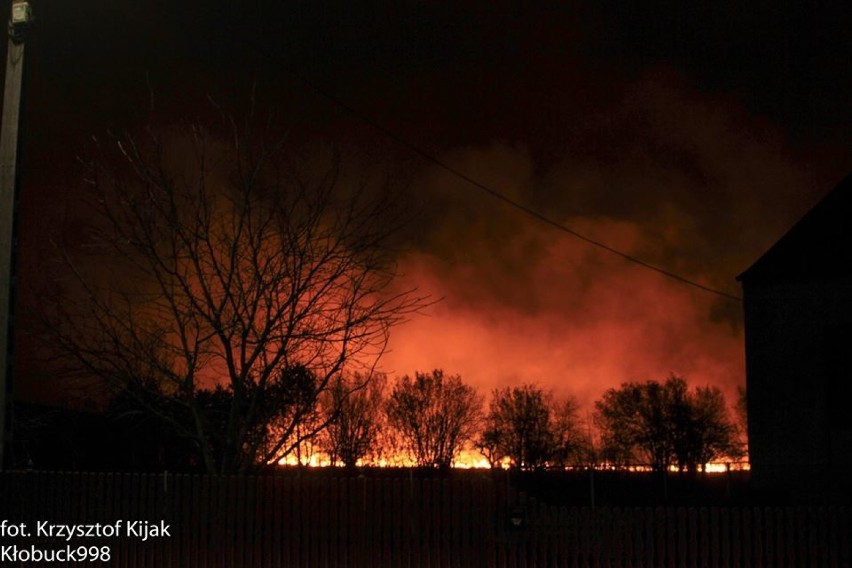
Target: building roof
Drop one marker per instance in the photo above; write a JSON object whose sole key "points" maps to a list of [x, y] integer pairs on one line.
{"points": [[819, 245]]}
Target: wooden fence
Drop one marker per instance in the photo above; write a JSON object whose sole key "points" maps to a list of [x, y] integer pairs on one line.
{"points": [[323, 521]]}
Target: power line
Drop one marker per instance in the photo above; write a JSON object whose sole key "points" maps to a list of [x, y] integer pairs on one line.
{"points": [[481, 186]]}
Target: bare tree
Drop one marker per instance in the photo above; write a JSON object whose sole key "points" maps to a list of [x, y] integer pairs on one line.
{"points": [[635, 425], [664, 424], [353, 407], [710, 431], [531, 428], [214, 261], [435, 415]]}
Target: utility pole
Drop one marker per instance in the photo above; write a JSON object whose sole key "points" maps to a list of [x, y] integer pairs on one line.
{"points": [[19, 22]]}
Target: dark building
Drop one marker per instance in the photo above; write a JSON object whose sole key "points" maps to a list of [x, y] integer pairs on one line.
{"points": [[798, 343]]}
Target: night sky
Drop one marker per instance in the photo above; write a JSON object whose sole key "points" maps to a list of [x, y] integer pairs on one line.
{"points": [[690, 135]]}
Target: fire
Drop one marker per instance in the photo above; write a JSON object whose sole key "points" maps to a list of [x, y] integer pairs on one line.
{"points": [[468, 459], [471, 459]]}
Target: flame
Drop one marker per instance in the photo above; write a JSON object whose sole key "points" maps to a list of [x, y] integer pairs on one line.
{"points": [[472, 459]]}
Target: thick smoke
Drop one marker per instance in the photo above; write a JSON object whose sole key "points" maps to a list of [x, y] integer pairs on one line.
{"points": [[686, 182]]}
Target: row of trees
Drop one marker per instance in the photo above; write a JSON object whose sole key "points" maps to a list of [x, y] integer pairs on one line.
{"points": [[239, 299], [433, 417], [429, 419]]}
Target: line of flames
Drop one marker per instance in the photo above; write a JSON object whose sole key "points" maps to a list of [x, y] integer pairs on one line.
{"points": [[472, 460]]}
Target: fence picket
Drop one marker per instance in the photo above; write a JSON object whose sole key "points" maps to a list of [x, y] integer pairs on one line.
{"points": [[736, 538], [812, 538], [822, 531], [833, 537], [641, 557], [703, 529], [769, 534], [844, 525], [725, 538], [747, 536], [616, 526], [692, 554], [757, 538]]}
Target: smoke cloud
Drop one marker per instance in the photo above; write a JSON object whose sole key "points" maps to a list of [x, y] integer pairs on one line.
{"points": [[678, 179]]}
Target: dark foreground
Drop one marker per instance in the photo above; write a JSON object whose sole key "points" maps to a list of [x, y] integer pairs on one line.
{"points": [[405, 518]]}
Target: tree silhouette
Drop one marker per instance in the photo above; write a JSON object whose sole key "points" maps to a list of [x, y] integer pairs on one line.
{"points": [[218, 261], [354, 408], [435, 415], [633, 425], [664, 424], [531, 428], [710, 432]]}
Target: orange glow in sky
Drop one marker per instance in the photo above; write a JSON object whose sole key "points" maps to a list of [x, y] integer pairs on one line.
{"points": [[572, 319]]}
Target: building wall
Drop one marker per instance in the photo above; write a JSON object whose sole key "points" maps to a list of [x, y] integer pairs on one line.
{"points": [[798, 361]]}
